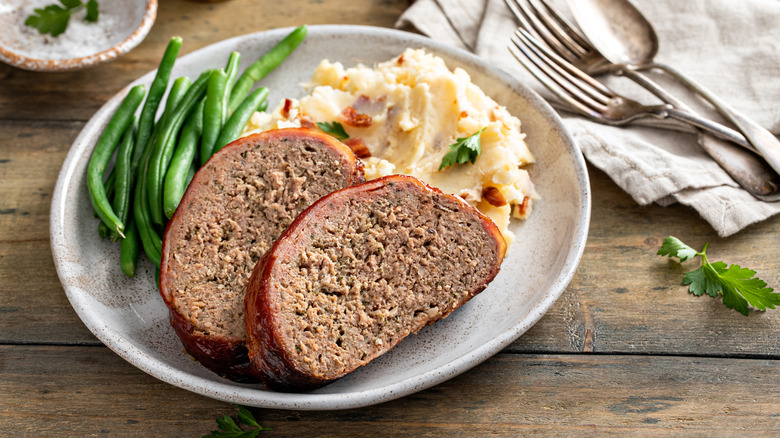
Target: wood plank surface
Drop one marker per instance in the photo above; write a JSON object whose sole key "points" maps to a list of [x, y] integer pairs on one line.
{"points": [[95, 393], [631, 300], [625, 297], [77, 95], [625, 351], [659, 317]]}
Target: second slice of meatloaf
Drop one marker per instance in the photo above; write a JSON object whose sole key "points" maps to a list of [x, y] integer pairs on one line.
{"points": [[359, 271], [234, 209]]}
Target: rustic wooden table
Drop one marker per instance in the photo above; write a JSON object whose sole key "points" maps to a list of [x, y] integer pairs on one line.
{"points": [[626, 349]]}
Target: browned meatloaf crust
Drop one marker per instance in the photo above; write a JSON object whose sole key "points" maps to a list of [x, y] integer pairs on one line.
{"points": [[236, 206], [360, 270]]}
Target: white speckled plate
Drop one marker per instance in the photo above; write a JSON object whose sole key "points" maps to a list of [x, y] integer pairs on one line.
{"points": [[129, 316], [121, 25]]}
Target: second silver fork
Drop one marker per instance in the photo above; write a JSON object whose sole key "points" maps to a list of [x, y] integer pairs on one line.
{"points": [[746, 168]]}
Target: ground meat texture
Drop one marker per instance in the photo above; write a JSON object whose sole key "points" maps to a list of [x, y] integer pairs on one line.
{"points": [[236, 206], [359, 271]]}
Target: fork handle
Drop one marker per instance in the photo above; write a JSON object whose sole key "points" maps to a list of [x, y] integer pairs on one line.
{"points": [[697, 121], [755, 175], [677, 109], [760, 138], [747, 169], [744, 166]]}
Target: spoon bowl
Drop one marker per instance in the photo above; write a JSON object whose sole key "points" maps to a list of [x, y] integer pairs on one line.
{"points": [[625, 37], [617, 29]]}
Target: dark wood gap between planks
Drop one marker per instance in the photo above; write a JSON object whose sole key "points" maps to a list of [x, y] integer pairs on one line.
{"points": [[508, 351]]}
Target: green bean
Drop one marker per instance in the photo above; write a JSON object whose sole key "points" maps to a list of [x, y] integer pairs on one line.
{"points": [[128, 248], [231, 69], [172, 115], [104, 149], [178, 90], [213, 113], [165, 144], [217, 101], [260, 68], [191, 174], [240, 116], [183, 159], [109, 185], [123, 180], [150, 239], [103, 230], [156, 92]]}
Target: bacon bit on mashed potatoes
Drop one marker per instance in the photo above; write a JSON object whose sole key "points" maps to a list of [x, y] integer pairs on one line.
{"points": [[406, 112]]}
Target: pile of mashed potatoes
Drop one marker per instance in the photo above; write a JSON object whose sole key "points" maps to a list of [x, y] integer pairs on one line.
{"points": [[402, 115]]}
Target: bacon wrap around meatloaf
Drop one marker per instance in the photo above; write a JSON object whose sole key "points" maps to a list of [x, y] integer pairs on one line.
{"points": [[236, 206], [360, 270]]}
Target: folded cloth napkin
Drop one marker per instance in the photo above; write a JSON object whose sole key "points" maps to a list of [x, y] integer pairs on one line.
{"points": [[729, 47]]}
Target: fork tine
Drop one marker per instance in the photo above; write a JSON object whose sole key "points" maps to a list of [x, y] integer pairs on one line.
{"points": [[596, 88], [567, 33], [562, 78], [529, 20], [546, 78], [544, 22], [525, 59]]}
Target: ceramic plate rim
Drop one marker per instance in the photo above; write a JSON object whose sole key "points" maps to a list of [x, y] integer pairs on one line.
{"points": [[321, 401]]}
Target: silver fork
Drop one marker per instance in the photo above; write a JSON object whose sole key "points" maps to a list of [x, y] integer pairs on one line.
{"points": [[748, 169], [545, 24], [589, 96], [548, 25]]}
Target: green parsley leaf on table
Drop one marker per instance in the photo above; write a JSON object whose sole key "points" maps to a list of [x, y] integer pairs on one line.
{"points": [[335, 129], [230, 429], [53, 19], [92, 11], [464, 150], [738, 286]]}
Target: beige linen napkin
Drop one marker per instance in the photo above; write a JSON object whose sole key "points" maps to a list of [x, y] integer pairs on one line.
{"points": [[732, 48]]}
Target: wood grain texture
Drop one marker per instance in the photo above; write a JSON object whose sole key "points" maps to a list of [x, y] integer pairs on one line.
{"points": [[625, 351], [74, 391], [33, 306], [77, 95], [628, 299], [30, 159], [631, 300]]}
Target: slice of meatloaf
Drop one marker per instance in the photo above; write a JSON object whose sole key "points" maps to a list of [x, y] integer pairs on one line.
{"points": [[360, 270], [234, 209]]}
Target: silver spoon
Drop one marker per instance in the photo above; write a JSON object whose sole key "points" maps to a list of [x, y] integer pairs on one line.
{"points": [[743, 163], [624, 36]]}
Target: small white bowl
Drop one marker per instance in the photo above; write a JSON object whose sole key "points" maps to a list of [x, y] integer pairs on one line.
{"points": [[121, 25]]}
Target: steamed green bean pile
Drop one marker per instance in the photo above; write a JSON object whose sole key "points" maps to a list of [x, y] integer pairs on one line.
{"points": [[156, 159]]}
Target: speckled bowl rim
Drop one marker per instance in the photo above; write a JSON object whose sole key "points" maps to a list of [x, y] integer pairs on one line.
{"points": [[252, 396], [53, 65]]}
